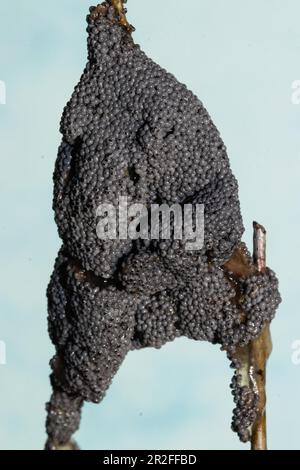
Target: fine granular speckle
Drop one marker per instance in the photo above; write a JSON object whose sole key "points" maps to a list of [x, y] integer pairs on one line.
{"points": [[131, 129]]}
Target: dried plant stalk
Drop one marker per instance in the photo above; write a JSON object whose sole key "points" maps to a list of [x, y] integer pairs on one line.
{"points": [[253, 357], [260, 349], [121, 12]]}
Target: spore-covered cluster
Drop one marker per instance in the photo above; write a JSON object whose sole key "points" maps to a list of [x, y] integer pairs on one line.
{"points": [[260, 299], [64, 413], [157, 321], [92, 329], [131, 129], [244, 414]]}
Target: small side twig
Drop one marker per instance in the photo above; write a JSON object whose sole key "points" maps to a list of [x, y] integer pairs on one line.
{"points": [[253, 357], [260, 349], [121, 12]]}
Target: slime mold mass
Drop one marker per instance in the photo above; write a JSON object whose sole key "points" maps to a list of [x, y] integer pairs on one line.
{"points": [[131, 129]]}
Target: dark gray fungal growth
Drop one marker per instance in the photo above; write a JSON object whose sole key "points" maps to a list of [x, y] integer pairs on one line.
{"points": [[244, 414], [131, 129], [64, 413]]}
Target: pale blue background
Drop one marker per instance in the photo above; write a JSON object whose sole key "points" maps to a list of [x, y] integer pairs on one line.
{"points": [[241, 58]]}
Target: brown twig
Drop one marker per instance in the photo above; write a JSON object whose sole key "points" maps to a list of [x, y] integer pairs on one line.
{"points": [[121, 12], [253, 357], [260, 349]]}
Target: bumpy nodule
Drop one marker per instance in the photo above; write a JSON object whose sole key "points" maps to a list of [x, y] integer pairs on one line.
{"points": [[131, 129]]}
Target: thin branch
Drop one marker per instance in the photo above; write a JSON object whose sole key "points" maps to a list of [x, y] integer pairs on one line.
{"points": [[259, 246], [253, 357], [260, 349], [121, 12]]}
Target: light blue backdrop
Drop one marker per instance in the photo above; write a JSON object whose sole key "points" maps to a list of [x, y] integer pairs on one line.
{"points": [[241, 58]]}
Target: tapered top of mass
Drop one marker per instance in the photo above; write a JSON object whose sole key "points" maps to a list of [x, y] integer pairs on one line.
{"points": [[132, 129]]}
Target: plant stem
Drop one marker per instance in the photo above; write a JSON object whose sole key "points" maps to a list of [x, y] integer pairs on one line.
{"points": [[253, 357], [260, 349], [121, 12]]}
